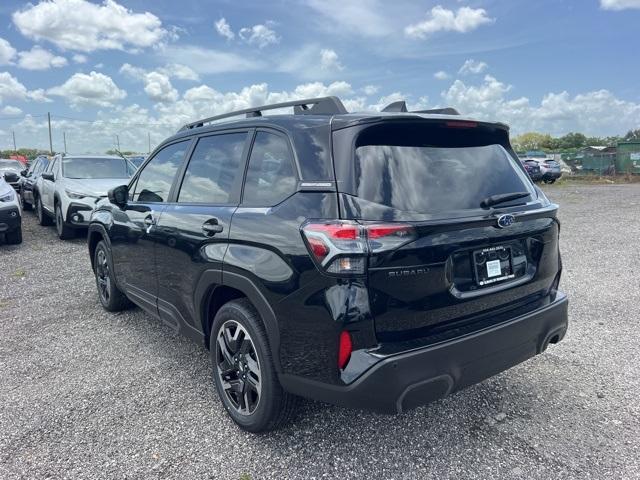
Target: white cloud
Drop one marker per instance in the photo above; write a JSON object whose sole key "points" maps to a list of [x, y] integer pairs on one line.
{"points": [[10, 110], [92, 89], [181, 72], [7, 52], [619, 4], [472, 67], [363, 17], [40, 59], [598, 112], [159, 89], [84, 26], [464, 20], [11, 88], [79, 58], [259, 35], [370, 89], [224, 29], [329, 60], [99, 65], [441, 75], [208, 61]]}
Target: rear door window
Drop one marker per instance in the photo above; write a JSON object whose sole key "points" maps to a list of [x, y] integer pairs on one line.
{"points": [[270, 176]]}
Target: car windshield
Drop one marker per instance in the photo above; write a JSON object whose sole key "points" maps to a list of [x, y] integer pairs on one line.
{"points": [[86, 167], [11, 164]]}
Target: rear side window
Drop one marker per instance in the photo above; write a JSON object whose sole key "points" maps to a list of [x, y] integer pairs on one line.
{"points": [[270, 177], [214, 169], [431, 171], [155, 179]]}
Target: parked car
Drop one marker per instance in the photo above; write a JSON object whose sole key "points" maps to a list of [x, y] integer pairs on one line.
{"points": [[10, 212], [29, 179], [551, 170], [70, 186], [11, 166], [533, 168], [137, 160], [337, 256]]}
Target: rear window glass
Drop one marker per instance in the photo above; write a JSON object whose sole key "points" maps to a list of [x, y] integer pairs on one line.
{"points": [[434, 179]]}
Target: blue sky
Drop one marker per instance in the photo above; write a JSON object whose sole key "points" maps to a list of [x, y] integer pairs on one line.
{"points": [[129, 68]]}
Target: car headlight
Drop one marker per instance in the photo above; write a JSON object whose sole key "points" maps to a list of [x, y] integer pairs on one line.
{"points": [[77, 195], [7, 197]]}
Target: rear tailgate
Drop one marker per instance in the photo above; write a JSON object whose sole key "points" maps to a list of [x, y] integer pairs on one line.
{"points": [[459, 265]]}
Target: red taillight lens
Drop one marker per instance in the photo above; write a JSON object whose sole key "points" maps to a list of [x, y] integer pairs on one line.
{"points": [[341, 247], [345, 347]]}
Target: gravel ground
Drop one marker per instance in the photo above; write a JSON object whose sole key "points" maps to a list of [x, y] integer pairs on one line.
{"points": [[87, 394]]}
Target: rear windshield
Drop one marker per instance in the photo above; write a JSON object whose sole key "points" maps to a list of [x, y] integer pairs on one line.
{"points": [[97, 168], [428, 171]]}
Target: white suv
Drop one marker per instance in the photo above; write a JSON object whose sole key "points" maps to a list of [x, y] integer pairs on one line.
{"points": [[68, 190]]}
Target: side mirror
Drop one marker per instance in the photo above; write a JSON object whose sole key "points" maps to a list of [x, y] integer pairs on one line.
{"points": [[119, 195], [48, 176], [24, 172], [11, 177]]}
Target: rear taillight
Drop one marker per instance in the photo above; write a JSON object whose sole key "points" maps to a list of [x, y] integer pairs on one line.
{"points": [[341, 247], [345, 347]]}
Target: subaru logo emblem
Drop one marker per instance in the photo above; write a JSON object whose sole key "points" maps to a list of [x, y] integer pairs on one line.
{"points": [[506, 220]]}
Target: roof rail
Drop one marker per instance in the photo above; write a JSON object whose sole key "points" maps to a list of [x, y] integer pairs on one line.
{"points": [[309, 106], [401, 106]]}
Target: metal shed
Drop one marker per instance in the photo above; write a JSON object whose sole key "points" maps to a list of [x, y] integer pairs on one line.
{"points": [[598, 159], [628, 157]]}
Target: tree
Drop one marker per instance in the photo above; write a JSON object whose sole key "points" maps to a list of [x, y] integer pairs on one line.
{"points": [[632, 135], [532, 141], [573, 140]]}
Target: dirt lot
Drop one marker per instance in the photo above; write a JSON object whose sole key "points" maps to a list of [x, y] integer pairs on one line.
{"points": [[87, 394]]}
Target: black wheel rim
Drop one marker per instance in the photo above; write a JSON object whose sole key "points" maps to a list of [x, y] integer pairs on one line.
{"points": [[238, 368], [102, 276]]}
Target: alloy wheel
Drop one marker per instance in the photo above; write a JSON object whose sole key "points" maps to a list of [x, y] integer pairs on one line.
{"points": [[102, 276], [238, 367]]}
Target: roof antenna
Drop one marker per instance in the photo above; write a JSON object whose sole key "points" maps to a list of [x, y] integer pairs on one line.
{"points": [[399, 106]]}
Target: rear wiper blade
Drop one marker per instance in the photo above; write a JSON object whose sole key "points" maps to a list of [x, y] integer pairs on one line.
{"points": [[501, 198]]}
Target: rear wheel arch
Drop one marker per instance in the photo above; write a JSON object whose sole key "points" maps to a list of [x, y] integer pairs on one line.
{"points": [[236, 286]]}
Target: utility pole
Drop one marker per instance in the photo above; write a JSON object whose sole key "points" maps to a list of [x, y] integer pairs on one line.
{"points": [[50, 141], [64, 139], [118, 142], [14, 141], [149, 139]]}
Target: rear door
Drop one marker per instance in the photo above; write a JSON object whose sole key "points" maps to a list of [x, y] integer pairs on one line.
{"points": [[194, 228], [456, 262]]}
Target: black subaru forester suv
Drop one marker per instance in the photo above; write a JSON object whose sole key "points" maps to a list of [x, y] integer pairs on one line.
{"points": [[372, 260]]}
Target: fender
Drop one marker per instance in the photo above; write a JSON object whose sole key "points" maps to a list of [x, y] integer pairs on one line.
{"points": [[251, 291]]}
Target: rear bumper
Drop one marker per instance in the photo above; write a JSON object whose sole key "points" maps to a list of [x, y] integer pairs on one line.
{"points": [[401, 382], [554, 175]]}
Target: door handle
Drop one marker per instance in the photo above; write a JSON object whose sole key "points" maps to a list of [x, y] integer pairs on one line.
{"points": [[211, 227]]}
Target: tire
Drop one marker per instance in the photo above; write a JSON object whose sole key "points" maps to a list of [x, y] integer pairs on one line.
{"points": [[43, 218], [111, 297], [248, 368], [64, 231], [25, 205], [15, 237]]}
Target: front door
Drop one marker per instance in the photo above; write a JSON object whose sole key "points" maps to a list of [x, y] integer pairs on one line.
{"points": [[134, 233], [193, 229]]}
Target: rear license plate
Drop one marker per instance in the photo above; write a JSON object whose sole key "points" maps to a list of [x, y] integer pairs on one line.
{"points": [[493, 264]]}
